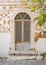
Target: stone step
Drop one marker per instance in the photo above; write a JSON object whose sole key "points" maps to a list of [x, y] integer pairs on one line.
{"points": [[22, 53], [17, 55], [21, 57]]}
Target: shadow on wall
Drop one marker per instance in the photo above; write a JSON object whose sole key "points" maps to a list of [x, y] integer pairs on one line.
{"points": [[5, 41]]}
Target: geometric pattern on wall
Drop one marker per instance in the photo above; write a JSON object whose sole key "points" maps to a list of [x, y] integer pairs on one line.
{"points": [[5, 23]]}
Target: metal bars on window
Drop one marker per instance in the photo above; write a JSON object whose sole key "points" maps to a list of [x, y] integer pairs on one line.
{"points": [[22, 28], [18, 30], [26, 31]]}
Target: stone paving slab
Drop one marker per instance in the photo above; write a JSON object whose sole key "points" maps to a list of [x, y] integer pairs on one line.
{"points": [[22, 62]]}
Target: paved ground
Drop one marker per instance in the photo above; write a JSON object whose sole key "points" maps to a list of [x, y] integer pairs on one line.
{"points": [[22, 62]]}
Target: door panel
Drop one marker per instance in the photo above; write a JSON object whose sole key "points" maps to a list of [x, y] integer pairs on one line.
{"points": [[18, 30], [27, 31]]}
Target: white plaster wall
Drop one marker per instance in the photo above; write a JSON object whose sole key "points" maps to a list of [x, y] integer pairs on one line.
{"points": [[41, 45], [5, 44], [5, 41], [5, 38]]}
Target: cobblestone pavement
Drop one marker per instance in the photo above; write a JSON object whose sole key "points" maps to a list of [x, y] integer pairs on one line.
{"points": [[22, 62]]}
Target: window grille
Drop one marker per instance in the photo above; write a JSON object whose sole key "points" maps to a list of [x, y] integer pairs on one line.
{"points": [[22, 28]]}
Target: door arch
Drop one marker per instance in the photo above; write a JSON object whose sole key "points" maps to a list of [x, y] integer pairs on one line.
{"points": [[22, 28], [30, 16]]}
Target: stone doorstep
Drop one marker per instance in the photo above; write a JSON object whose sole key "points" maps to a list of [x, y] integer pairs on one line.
{"points": [[17, 55], [25, 57], [21, 57], [29, 53]]}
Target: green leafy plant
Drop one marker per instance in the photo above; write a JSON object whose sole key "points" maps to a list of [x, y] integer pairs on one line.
{"points": [[39, 1], [41, 19], [43, 54], [37, 4], [32, 49]]}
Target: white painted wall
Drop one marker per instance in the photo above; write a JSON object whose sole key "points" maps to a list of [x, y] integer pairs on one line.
{"points": [[5, 38], [5, 41], [41, 45]]}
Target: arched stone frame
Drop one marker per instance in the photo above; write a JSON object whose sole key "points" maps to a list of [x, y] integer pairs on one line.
{"points": [[31, 14]]}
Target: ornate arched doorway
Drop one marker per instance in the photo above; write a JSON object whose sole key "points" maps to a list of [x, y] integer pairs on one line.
{"points": [[22, 29], [22, 32]]}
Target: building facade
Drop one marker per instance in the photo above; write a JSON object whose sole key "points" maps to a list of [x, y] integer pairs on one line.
{"points": [[18, 32]]}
